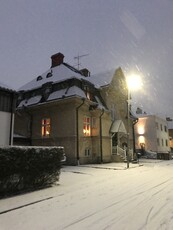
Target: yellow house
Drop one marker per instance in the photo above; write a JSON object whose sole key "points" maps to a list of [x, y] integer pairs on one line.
{"points": [[87, 114]]}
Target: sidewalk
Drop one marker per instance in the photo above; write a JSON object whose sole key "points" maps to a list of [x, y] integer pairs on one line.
{"points": [[122, 165], [113, 166]]}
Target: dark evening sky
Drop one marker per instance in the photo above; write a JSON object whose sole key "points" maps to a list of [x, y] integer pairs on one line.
{"points": [[135, 35]]}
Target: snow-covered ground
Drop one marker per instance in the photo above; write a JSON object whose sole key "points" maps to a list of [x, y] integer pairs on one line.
{"points": [[97, 199]]}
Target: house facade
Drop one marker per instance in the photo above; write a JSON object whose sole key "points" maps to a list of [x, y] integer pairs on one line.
{"points": [[67, 107], [151, 133], [170, 130], [8, 99]]}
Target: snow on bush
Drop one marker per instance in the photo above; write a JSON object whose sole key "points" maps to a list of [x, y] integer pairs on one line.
{"points": [[27, 168]]}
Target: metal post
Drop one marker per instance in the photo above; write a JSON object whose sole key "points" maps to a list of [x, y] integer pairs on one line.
{"points": [[128, 128], [101, 147]]}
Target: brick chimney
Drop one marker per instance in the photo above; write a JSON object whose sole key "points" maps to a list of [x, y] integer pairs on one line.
{"points": [[57, 59]]}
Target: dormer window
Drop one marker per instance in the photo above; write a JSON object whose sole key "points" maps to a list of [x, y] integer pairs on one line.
{"points": [[49, 75], [39, 78]]}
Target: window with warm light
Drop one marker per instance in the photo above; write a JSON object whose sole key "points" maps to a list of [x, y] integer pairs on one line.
{"points": [[87, 126], [45, 127]]}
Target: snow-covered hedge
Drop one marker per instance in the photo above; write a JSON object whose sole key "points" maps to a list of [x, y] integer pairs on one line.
{"points": [[27, 168]]}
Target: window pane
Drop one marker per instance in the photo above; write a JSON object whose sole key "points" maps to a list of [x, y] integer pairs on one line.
{"points": [[45, 129], [86, 126]]}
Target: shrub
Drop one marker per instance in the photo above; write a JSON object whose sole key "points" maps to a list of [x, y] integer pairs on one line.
{"points": [[27, 168]]}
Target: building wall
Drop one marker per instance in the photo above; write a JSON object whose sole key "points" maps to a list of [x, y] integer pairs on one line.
{"points": [[115, 95], [93, 142], [5, 123], [64, 130], [148, 132], [171, 138], [22, 123], [62, 113], [63, 133], [162, 135], [7, 107]]}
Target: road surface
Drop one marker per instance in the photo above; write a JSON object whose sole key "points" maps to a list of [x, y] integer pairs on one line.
{"points": [[97, 199]]}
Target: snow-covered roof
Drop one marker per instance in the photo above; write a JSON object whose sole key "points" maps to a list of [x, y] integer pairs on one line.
{"points": [[3, 86], [31, 101], [59, 94], [59, 73], [64, 72], [74, 90], [102, 79]]}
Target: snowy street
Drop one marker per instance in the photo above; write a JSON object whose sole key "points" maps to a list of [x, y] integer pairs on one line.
{"points": [[110, 197]]}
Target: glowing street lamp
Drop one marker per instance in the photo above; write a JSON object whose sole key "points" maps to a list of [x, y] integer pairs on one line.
{"points": [[133, 83]]}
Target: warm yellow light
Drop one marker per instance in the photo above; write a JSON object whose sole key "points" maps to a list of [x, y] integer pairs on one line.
{"points": [[141, 139], [134, 82], [141, 130], [86, 131]]}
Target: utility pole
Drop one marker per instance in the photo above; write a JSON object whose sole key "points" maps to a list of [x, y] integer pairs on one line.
{"points": [[78, 59]]}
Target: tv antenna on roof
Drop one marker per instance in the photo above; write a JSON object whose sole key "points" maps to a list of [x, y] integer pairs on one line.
{"points": [[78, 59]]}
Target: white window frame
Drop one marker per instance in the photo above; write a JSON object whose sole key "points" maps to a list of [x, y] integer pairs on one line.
{"points": [[87, 152]]}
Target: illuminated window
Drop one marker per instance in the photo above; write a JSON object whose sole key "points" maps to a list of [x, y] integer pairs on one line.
{"points": [[87, 126], [45, 128]]}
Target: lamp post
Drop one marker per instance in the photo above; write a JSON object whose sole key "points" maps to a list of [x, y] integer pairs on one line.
{"points": [[128, 127], [133, 83]]}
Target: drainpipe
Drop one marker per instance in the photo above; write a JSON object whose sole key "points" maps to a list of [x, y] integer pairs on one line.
{"points": [[77, 129], [134, 146], [11, 120], [31, 121], [101, 150]]}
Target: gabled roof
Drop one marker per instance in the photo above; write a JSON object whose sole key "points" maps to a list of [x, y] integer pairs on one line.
{"points": [[118, 127]]}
